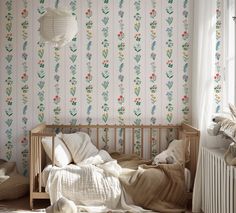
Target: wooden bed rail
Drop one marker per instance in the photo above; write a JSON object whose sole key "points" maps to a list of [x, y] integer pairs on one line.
{"points": [[147, 134]]}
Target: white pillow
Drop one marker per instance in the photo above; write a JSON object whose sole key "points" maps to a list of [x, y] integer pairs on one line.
{"points": [[80, 146], [62, 155], [175, 153]]}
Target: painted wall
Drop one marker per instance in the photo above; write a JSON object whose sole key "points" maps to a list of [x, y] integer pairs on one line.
{"points": [[130, 63]]}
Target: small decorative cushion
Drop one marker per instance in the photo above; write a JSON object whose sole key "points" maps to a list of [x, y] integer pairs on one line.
{"points": [[62, 155], [175, 153], [7, 168], [63, 205], [12, 185], [80, 146]]}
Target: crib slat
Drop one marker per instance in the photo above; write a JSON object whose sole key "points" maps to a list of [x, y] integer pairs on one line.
{"points": [[106, 134], [132, 140], [124, 142], [142, 141], [40, 164], [150, 142], [115, 135], [53, 151], [97, 137], [159, 142]]}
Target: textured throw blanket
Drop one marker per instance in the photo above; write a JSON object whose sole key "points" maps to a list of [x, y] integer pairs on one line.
{"points": [[159, 188], [85, 185], [109, 185], [92, 182]]}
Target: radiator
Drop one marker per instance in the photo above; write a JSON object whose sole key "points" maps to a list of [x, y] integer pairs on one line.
{"points": [[218, 183]]}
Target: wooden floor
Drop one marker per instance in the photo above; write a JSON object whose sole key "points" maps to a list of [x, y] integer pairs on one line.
{"points": [[22, 205]]}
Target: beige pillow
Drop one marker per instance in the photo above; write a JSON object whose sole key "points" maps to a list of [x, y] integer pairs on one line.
{"points": [[62, 155], [80, 146], [14, 187], [175, 153]]}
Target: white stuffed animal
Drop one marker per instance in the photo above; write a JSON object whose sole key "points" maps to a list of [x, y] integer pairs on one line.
{"points": [[163, 158], [175, 153]]}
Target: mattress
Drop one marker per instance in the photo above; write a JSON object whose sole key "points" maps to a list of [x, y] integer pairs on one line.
{"points": [[47, 169]]}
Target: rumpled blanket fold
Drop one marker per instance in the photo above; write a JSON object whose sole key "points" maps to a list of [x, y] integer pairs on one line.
{"points": [[158, 188]]}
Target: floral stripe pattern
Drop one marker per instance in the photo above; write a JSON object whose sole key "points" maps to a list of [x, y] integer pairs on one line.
{"points": [[218, 70], [105, 69], [139, 60], [185, 55], [153, 76], [9, 80], [57, 98], [121, 66], [73, 70], [24, 87], [169, 62], [41, 71], [137, 69], [89, 76]]}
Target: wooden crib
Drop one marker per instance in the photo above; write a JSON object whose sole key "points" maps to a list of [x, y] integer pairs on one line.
{"points": [[38, 156]]}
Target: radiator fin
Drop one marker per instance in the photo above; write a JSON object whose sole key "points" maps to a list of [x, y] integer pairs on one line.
{"points": [[219, 183]]}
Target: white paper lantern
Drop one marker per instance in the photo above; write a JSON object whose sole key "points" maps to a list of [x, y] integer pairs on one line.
{"points": [[58, 26]]}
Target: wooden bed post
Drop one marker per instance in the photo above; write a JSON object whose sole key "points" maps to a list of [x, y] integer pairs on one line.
{"points": [[31, 171]]}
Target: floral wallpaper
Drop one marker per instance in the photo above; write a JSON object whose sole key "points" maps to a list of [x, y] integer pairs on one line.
{"points": [[129, 64], [218, 58], [8, 69]]}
